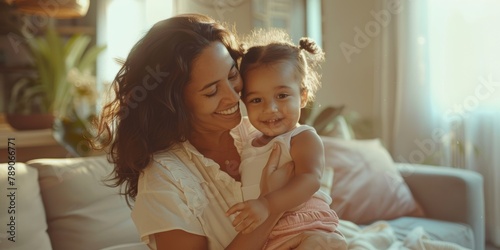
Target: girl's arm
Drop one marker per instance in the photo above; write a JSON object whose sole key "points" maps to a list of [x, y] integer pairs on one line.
{"points": [[271, 175], [309, 158]]}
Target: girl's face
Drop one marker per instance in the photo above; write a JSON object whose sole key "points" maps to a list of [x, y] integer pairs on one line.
{"points": [[213, 93], [273, 98]]}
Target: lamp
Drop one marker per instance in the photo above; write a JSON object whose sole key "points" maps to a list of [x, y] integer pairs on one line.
{"points": [[60, 9]]}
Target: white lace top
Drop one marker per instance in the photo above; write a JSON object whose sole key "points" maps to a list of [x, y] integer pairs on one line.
{"points": [[181, 189]]}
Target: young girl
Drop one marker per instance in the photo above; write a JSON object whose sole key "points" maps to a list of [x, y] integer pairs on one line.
{"points": [[279, 79]]}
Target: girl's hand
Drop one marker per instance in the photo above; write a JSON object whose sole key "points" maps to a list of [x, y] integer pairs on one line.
{"points": [[252, 213], [273, 177]]}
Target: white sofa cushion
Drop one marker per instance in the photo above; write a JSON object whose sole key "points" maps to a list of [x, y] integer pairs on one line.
{"points": [[82, 212], [30, 225]]}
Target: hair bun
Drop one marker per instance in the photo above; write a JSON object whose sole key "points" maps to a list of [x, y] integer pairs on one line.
{"points": [[309, 45]]}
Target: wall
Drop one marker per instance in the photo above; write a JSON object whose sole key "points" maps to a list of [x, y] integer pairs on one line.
{"points": [[236, 12], [240, 13], [348, 78]]}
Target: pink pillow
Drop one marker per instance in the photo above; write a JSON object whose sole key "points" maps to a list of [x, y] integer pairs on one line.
{"points": [[367, 185]]}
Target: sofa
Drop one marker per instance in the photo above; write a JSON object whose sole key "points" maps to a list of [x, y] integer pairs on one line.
{"points": [[64, 204]]}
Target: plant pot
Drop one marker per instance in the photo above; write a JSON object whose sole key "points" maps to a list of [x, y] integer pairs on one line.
{"points": [[73, 135], [30, 122]]}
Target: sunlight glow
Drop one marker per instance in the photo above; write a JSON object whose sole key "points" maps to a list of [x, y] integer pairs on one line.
{"points": [[122, 23], [464, 54]]}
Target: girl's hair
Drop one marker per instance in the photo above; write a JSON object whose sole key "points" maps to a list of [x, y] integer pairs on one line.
{"points": [[148, 112], [268, 47]]}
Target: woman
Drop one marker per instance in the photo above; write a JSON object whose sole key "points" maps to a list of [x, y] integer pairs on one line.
{"points": [[177, 98]]}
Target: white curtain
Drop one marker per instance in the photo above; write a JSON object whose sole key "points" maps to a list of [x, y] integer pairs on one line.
{"points": [[441, 105]]}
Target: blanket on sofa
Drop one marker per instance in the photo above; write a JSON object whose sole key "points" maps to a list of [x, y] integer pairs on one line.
{"points": [[380, 235]]}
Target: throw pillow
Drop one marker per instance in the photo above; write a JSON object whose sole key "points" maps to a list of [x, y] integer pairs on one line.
{"points": [[82, 212], [23, 201], [367, 185]]}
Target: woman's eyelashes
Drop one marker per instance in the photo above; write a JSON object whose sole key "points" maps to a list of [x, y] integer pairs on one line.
{"points": [[234, 75], [213, 93]]}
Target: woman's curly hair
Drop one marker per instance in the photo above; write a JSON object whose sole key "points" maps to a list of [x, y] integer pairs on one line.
{"points": [[148, 113]]}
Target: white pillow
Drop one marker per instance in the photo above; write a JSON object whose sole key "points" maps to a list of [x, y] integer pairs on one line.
{"points": [[83, 213], [30, 225]]}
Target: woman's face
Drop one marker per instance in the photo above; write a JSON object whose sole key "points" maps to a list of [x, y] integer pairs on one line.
{"points": [[213, 93]]}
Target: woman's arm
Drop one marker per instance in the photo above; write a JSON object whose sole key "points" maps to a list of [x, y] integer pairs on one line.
{"points": [[257, 238], [178, 239]]}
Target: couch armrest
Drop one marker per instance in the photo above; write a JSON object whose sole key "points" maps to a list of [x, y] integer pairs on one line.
{"points": [[448, 194]]}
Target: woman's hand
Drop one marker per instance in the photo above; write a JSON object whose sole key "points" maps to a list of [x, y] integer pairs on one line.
{"points": [[274, 177]]}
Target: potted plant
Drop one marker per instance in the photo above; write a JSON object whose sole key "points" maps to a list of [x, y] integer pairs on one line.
{"points": [[63, 92], [49, 94]]}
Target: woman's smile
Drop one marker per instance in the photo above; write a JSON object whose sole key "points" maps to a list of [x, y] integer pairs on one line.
{"points": [[229, 111]]}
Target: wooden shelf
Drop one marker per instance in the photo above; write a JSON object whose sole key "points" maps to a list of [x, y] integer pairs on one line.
{"points": [[30, 144], [26, 138]]}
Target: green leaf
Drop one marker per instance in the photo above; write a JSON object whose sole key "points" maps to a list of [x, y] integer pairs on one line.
{"points": [[18, 87], [87, 64], [23, 101], [75, 50]]}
